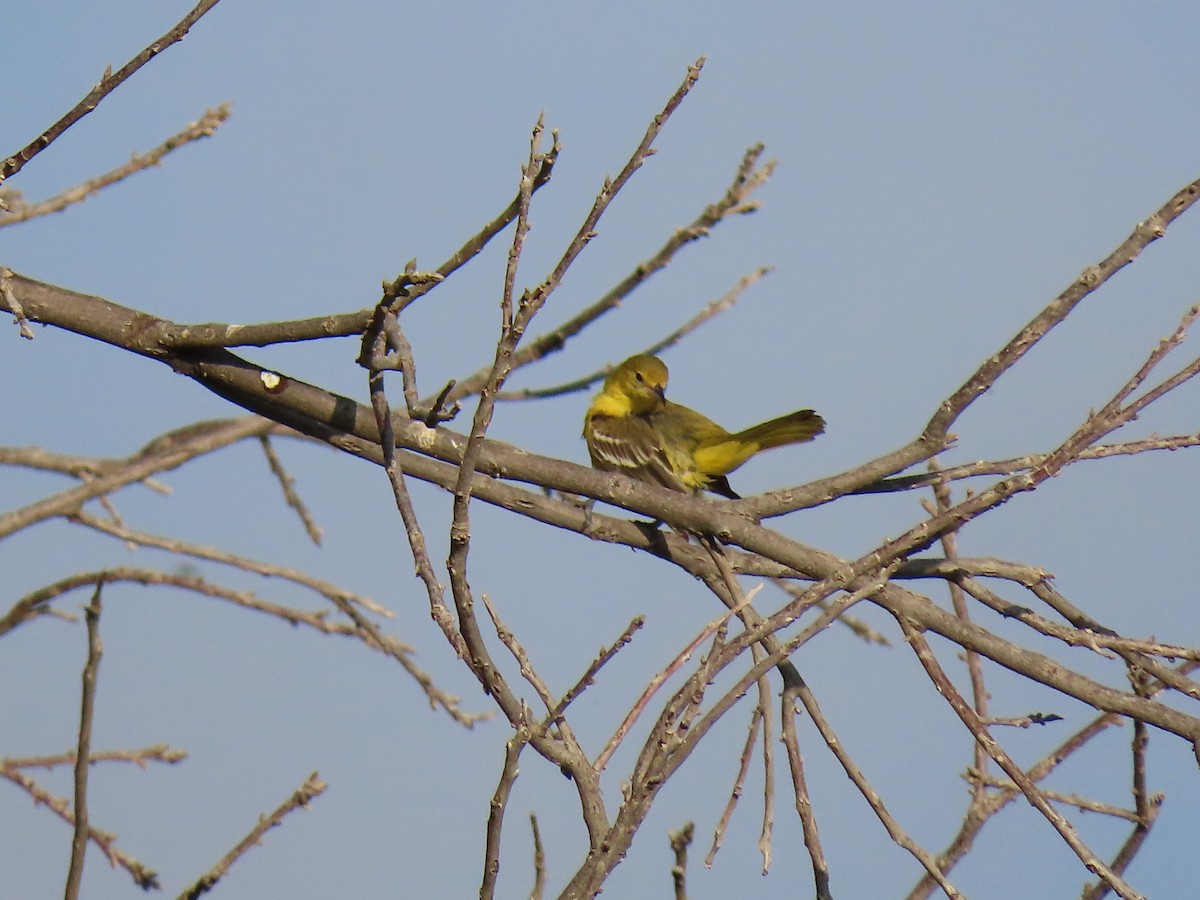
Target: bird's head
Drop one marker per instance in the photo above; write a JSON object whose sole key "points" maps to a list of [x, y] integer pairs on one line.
{"points": [[641, 381]]}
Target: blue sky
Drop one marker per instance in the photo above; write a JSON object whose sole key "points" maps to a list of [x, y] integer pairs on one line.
{"points": [[944, 170]]}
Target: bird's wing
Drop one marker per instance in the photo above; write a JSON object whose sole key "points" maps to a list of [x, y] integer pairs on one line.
{"points": [[628, 444]]}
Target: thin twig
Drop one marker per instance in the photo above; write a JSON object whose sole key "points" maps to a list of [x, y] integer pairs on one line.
{"points": [[808, 820], [332, 592], [205, 126], [1129, 849], [1085, 633], [509, 640], [658, 680], [539, 861], [589, 676], [521, 231], [852, 770], [974, 777], [736, 792], [36, 603], [288, 483], [399, 294], [156, 753], [312, 788], [710, 311], [1026, 721], [83, 759], [554, 718], [143, 876], [136, 469], [108, 83], [402, 356], [499, 805], [680, 841], [768, 756], [1020, 464], [857, 626]]}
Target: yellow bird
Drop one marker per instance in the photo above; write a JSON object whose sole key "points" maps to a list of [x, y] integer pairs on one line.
{"points": [[631, 427]]}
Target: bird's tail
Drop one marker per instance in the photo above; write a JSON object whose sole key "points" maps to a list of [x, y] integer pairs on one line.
{"points": [[794, 428], [720, 456]]}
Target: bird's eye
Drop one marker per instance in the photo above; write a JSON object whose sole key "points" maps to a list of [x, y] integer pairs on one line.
{"points": [[638, 376]]}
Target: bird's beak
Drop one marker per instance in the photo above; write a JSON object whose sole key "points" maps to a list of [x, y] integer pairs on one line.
{"points": [[661, 390]]}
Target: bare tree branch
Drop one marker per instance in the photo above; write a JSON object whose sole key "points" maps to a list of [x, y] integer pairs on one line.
{"points": [[750, 175], [1027, 786], [108, 83], [312, 788], [499, 805], [143, 876], [539, 861], [83, 760], [205, 126], [709, 312], [736, 792], [156, 753], [680, 841], [289, 490], [712, 540]]}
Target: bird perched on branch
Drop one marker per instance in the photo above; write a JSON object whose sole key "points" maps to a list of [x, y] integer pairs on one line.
{"points": [[631, 427]]}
